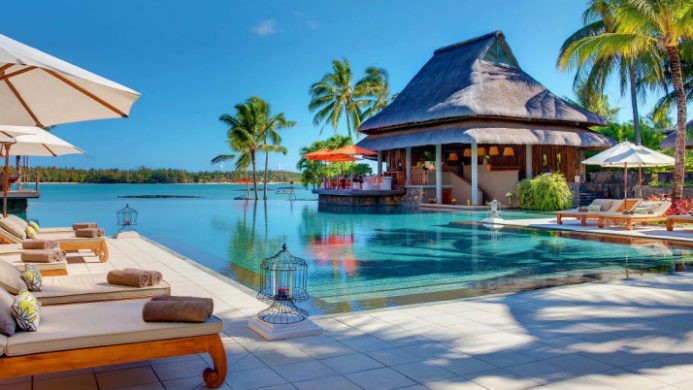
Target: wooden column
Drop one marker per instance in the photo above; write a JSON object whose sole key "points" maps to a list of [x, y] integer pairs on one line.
{"points": [[380, 163], [439, 174], [528, 161], [475, 174], [407, 165]]}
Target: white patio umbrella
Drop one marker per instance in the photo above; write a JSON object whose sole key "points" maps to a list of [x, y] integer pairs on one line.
{"points": [[37, 89], [627, 155], [30, 141]]}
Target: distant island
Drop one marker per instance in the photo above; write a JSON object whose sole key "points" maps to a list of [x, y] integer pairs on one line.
{"points": [[150, 176]]}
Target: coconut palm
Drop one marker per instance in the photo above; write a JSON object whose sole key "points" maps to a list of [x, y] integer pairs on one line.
{"points": [[645, 27], [593, 68], [312, 171], [336, 96]]}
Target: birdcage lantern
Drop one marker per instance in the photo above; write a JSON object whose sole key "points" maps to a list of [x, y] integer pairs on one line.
{"points": [[283, 283], [127, 217]]}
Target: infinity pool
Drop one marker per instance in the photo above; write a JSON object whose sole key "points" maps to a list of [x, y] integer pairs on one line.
{"points": [[356, 261]]}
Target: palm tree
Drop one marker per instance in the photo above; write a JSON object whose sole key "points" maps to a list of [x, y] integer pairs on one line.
{"points": [[645, 27], [268, 132], [336, 96], [593, 68], [312, 171]]}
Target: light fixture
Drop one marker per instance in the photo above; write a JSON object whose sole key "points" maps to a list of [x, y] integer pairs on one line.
{"points": [[453, 156], [508, 151], [467, 153], [481, 151], [493, 151]]}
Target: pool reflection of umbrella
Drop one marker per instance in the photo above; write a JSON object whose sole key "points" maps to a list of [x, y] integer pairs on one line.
{"points": [[247, 182]]}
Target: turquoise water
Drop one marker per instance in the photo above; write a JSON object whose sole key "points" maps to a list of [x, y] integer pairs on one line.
{"points": [[356, 261]]}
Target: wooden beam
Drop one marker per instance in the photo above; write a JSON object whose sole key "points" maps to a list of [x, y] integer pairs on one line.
{"points": [[23, 103], [16, 73], [85, 92], [4, 68]]}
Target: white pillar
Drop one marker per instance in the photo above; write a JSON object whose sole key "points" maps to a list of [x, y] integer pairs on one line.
{"points": [[407, 166], [380, 163], [475, 174], [439, 174], [528, 161]]}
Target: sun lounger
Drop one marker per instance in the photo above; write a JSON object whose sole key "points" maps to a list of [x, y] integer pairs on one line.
{"points": [[646, 211], [67, 241], [88, 335], [605, 205], [92, 288], [672, 220], [58, 268]]}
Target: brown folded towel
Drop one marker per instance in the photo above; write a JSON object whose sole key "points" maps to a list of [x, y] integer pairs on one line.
{"points": [[208, 302], [175, 311], [155, 277], [90, 233], [39, 244], [84, 225], [42, 255], [128, 277]]}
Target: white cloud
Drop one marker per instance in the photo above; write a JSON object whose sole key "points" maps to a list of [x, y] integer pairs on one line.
{"points": [[265, 28]]}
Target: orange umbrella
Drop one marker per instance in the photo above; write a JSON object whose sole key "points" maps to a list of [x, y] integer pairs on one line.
{"points": [[318, 153], [337, 158], [351, 150]]}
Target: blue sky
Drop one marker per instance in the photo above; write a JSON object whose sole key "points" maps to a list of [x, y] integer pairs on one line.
{"points": [[192, 61]]}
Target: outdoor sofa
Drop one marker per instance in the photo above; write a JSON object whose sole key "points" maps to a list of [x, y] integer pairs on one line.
{"points": [[644, 212], [87, 335], [605, 205]]}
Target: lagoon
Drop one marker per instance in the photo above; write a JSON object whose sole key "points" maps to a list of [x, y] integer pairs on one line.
{"points": [[356, 261]]}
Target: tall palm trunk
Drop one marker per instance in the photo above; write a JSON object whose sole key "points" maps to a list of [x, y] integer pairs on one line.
{"points": [[680, 169], [634, 103], [254, 162], [264, 188], [346, 114]]}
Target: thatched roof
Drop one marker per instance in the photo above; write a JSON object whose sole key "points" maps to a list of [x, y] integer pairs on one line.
{"points": [[487, 132], [478, 78], [670, 141]]}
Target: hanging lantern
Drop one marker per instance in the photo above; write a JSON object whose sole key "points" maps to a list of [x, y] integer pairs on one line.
{"points": [[508, 151], [453, 156], [284, 282], [467, 153], [493, 151], [481, 151], [127, 217]]}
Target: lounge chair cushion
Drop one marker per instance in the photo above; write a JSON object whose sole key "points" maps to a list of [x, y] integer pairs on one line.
{"points": [[603, 204], [66, 327], [3, 344], [18, 221], [11, 278], [13, 228], [15, 260], [7, 324], [91, 288]]}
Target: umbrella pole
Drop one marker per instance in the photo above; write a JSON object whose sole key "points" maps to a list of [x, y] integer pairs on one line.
{"points": [[6, 180], [625, 185]]}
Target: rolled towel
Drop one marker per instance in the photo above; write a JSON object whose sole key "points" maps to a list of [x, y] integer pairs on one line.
{"points": [[208, 302], [39, 244], [175, 311], [128, 277], [42, 255], [87, 233], [155, 277], [84, 225], [102, 232]]}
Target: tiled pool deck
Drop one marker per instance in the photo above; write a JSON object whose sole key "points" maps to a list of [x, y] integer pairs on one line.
{"points": [[633, 334]]}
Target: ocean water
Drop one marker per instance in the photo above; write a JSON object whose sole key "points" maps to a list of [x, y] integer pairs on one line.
{"points": [[356, 261]]}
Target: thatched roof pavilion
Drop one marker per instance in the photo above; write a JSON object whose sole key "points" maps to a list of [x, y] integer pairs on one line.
{"points": [[474, 93], [670, 141]]}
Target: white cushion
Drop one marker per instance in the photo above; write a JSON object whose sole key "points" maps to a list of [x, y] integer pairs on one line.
{"points": [[91, 288], [10, 277], [85, 325], [3, 344]]}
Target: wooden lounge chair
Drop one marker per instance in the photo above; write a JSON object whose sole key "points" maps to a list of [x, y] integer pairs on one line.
{"points": [[67, 241], [58, 268], [672, 220], [87, 335], [646, 211], [92, 288], [605, 205]]}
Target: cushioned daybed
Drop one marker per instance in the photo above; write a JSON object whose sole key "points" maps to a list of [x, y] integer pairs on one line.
{"points": [[87, 335], [66, 240], [57, 268], [645, 211], [91, 288], [604, 205]]}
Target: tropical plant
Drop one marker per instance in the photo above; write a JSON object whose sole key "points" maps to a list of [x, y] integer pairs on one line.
{"points": [[336, 96], [594, 66], [546, 192], [647, 27]]}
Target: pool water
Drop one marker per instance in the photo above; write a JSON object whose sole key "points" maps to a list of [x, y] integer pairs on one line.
{"points": [[356, 261]]}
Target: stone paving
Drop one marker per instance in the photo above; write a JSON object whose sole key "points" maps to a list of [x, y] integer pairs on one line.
{"points": [[632, 334]]}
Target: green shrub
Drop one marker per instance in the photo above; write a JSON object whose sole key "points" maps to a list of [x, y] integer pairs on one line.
{"points": [[546, 192]]}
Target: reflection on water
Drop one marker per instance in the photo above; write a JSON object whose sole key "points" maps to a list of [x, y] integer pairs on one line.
{"points": [[356, 261]]}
